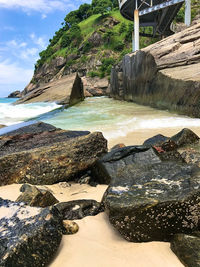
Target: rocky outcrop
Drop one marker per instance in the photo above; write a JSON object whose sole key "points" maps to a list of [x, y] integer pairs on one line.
{"points": [[95, 86], [187, 248], [164, 75], [78, 209], [151, 200], [35, 197], [67, 90], [22, 230], [15, 94], [2, 126], [49, 163]]}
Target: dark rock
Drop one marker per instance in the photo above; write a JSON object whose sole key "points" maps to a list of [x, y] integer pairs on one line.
{"points": [[34, 128], [185, 137], [35, 197], [107, 167], [78, 209], [187, 249], [15, 94], [117, 146], [29, 236], [155, 140], [77, 93], [48, 164], [2, 126], [152, 202], [70, 227], [34, 136]]}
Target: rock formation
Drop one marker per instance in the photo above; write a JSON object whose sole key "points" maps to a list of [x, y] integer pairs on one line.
{"points": [[15, 94], [151, 199], [163, 75], [48, 157], [22, 230], [66, 91]]}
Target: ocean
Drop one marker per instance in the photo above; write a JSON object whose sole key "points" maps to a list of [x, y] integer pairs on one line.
{"points": [[112, 117]]}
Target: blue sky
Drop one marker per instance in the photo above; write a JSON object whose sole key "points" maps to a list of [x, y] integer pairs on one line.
{"points": [[25, 29]]}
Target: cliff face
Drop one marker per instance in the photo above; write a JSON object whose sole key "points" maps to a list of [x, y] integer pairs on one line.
{"points": [[164, 75]]}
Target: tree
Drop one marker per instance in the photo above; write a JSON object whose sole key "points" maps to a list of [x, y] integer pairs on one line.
{"points": [[101, 6]]}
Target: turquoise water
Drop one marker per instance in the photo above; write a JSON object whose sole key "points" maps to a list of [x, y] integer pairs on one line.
{"points": [[114, 118]]}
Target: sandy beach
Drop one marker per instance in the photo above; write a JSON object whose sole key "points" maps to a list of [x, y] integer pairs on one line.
{"points": [[97, 243]]}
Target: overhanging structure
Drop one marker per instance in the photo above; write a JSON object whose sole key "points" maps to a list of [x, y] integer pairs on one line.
{"points": [[158, 14]]}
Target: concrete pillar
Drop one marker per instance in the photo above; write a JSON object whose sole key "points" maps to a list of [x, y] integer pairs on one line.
{"points": [[188, 12], [136, 30]]}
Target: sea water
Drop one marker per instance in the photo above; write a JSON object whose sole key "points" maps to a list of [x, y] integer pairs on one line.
{"points": [[112, 117]]}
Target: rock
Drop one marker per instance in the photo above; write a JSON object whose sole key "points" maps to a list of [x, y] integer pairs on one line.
{"points": [[78, 209], [15, 94], [117, 146], [2, 126], [155, 140], [35, 197], [95, 86], [164, 75], [107, 167], [49, 163], [185, 137], [34, 136], [153, 201], [70, 227], [95, 39], [187, 248], [191, 156], [29, 236], [66, 90]]}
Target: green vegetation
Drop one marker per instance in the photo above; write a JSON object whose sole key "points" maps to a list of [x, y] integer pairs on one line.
{"points": [[96, 31]]}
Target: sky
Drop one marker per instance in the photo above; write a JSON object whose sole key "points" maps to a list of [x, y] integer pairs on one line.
{"points": [[25, 29]]}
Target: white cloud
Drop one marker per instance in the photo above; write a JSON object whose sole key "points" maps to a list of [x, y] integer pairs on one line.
{"points": [[11, 72], [39, 41], [44, 16], [43, 6]]}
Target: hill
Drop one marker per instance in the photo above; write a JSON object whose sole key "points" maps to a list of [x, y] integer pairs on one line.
{"points": [[90, 41]]}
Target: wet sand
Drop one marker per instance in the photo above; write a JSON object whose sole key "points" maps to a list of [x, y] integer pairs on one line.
{"points": [[98, 244]]}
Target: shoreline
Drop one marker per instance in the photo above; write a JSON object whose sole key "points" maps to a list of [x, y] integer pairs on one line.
{"points": [[97, 243]]}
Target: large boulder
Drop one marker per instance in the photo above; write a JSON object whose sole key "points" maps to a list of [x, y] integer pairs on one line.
{"points": [[187, 249], [34, 136], [49, 163], [67, 90], [29, 236], [107, 167], [148, 200]]}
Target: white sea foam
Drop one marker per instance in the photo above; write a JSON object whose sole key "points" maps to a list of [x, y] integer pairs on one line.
{"points": [[10, 114]]}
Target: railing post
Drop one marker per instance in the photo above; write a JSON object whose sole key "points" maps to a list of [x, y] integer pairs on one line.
{"points": [[188, 12]]}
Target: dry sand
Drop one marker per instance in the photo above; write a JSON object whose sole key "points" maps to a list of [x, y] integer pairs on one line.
{"points": [[138, 137], [97, 244]]}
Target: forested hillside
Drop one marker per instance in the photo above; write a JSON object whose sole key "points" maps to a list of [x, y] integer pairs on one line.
{"points": [[90, 41]]}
